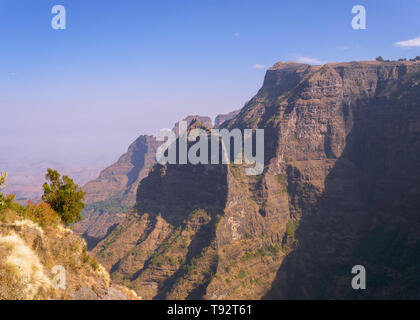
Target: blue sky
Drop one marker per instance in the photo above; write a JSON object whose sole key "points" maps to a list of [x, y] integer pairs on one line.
{"points": [[128, 67]]}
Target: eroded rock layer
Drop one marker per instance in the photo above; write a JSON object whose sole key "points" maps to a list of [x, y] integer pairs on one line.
{"points": [[340, 188]]}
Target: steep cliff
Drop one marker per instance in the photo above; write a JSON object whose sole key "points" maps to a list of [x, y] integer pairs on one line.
{"points": [[113, 194], [340, 188]]}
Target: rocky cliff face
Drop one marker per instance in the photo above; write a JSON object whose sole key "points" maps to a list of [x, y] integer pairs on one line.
{"points": [[113, 194], [340, 188], [221, 118]]}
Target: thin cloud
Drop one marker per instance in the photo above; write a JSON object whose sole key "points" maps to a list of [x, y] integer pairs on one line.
{"points": [[308, 60], [236, 34], [259, 66], [408, 43]]}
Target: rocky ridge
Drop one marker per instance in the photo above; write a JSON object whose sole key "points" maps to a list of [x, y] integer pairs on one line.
{"points": [[339, 188], [113, 194]]}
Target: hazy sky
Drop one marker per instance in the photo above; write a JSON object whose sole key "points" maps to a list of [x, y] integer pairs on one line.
{"points": [[124, 68]]}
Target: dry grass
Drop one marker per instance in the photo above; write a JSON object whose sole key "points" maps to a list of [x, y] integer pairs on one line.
{"points": [[23, 268]]}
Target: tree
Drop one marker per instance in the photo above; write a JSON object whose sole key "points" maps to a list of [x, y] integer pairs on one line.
{"points": [[64, 196], [380, 59], [3, 179]]}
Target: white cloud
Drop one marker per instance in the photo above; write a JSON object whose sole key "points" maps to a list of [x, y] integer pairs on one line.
{"points": [[308, 60], [408, 43], [259, 66]]}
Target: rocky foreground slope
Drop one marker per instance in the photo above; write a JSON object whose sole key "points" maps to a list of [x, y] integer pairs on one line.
{"points": [[340, 188], [41, 259]]}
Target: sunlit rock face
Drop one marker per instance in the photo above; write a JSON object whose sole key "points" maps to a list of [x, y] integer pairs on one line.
{"points": [[340, 188]]}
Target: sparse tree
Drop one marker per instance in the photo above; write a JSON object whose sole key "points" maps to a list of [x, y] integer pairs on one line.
{"points": [[380, 59], [3, 179], [64, 196]]}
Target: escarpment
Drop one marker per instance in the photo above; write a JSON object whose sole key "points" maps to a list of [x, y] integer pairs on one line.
{"points": [[340, 188], [113, 194]]}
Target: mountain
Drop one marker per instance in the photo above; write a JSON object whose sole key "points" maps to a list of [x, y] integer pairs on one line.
{"points": [[340, 188], [113, 193]]}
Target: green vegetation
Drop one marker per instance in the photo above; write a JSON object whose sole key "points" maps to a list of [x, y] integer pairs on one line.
{"points": [[283, 183], [160, 260], [191, 266], [112, 205], [281, 180], [64, 196], [53, 245], [157, 260], [291, 227], [115, 234], [237, 172], [3, 179], [94, 264], [197, 213], [242, 274], [41, 213], [203, 252], [217, 219], [266, 250], [270, 250]]}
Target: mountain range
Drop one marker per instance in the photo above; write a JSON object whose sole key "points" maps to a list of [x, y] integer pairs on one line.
{"points": [[340, 188]]}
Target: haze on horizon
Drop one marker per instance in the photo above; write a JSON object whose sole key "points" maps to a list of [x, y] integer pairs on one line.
{"points": [[80, 96]]}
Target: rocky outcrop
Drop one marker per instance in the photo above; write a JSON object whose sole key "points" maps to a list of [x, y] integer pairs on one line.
{"points": [[113, 194], [120, 180], [339, 188], [218, 121]]}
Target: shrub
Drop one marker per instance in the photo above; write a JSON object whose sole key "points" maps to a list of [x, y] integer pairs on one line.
{"points": [[3, 179], [42, 213], [94, 264], [291, 227], [64, 196], [8, 202]]}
